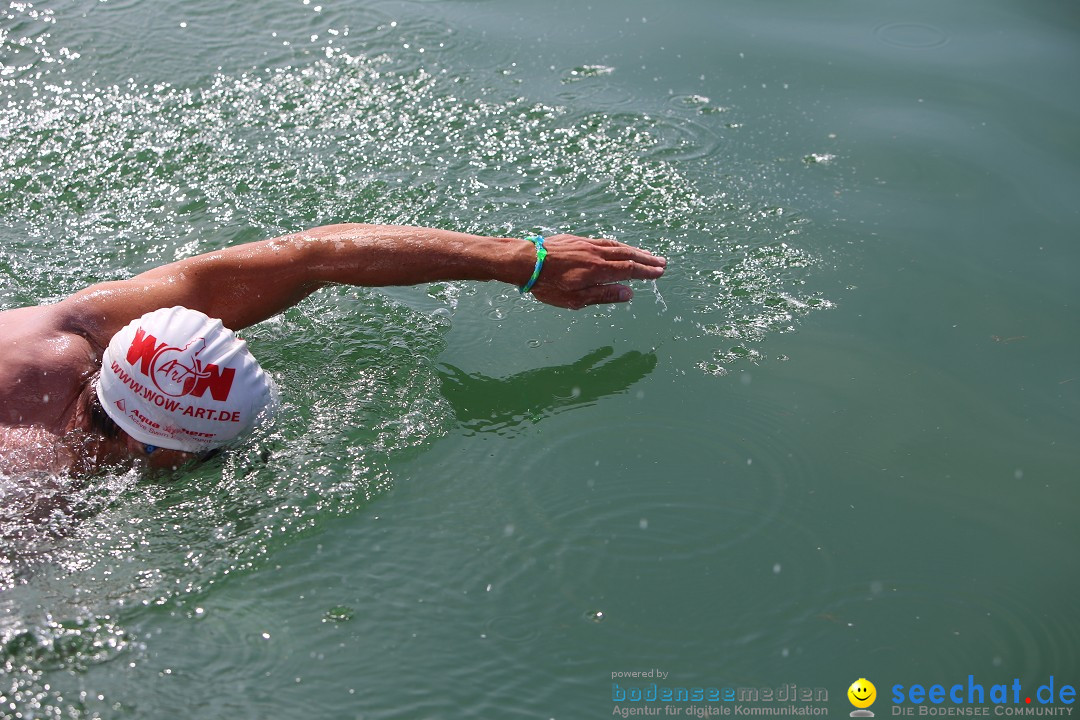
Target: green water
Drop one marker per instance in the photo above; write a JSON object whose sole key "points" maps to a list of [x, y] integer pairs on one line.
{"points": [[838, 439]]}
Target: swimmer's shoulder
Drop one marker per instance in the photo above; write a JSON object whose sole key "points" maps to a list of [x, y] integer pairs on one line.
{"points": [[43, 368]]}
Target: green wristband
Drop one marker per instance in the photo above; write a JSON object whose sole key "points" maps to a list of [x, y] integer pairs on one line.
{"points": [[541, 253]]}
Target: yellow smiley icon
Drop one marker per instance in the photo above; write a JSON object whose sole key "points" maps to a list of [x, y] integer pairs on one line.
{"points": [[862, 693]]}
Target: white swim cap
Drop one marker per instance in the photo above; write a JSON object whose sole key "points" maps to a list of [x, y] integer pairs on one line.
{"points": [[178, 379]]}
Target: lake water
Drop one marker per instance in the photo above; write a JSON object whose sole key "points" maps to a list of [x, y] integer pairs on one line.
{"points": [[838, 440]]}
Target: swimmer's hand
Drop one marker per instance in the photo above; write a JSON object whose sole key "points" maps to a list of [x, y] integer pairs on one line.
{"points": [[582, 271]]}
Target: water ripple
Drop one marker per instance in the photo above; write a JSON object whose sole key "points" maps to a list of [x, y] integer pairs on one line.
{"points": [[911, 35], [629, 530], [101, 180], [359, 138], [971, 630]]}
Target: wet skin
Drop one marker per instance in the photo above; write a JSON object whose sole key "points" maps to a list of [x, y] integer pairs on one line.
{"points": [[53, 352]]}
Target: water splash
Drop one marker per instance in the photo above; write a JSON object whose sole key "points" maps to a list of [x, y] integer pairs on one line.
{"points": [[659, 298], [99, 182], [105, 181]]}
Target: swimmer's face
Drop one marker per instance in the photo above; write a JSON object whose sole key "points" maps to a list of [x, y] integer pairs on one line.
{"points": [[862, 693], [124, 448], [111, 445], [158, 458]]}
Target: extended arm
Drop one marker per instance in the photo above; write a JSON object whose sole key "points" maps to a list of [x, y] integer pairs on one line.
{"points": [[246, 284]]}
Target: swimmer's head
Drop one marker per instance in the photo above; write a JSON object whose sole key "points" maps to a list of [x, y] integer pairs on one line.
{"points": [[178, 379]]}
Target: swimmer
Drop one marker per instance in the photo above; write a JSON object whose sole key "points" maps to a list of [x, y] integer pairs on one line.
{"points": [[148, 369]]}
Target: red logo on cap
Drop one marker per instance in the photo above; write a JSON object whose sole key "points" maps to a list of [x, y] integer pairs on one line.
{"points": [[179, 371]]}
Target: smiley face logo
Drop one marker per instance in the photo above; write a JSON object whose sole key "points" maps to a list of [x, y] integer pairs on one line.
{"points": [[862, 695]]}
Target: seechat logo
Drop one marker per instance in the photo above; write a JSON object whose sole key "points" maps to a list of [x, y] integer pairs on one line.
{"points": [[972, 698], [177, 372]]}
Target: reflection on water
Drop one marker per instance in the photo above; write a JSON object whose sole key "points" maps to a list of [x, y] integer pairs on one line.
{"points": [[99, 180], [505, 405], [132, 544], [898, 494]]}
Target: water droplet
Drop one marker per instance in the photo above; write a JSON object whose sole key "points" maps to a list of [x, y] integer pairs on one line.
{"points": [[659, 298], [339, 613], [819, 159]]}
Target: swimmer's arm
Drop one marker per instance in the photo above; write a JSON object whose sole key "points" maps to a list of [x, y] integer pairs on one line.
{"points": [[246, 284], [577, 272]]}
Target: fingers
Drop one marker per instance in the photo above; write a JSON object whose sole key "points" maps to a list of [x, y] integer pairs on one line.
{"points": [[591, 295], [615, 250], [604, 242], [621, 251], [636, 255], [620, 270], [598, 294]]}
